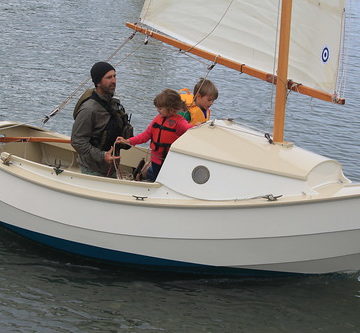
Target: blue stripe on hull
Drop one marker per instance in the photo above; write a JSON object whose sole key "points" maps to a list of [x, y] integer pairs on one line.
{"points": [[140, 261]]}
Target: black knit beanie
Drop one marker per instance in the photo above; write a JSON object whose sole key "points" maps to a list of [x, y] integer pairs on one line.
{"points": [[98, 70]]}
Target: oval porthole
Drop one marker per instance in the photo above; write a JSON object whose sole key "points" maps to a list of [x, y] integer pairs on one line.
{"points": [[200, 174]]}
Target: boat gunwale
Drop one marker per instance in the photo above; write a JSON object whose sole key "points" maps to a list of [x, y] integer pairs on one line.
{"points": [[53, 184]]}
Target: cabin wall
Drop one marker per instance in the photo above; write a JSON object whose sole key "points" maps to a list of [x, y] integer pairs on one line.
{"points": [[226, 182]]}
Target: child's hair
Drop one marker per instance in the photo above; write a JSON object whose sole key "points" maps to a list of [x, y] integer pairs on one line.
{"points": [[170, 100], [206, 88]]}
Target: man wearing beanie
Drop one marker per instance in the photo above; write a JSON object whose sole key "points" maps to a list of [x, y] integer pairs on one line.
{"points": [[99, 120]]}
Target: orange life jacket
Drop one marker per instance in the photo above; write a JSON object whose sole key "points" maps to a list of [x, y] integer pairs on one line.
{"points": [[196, 114]]}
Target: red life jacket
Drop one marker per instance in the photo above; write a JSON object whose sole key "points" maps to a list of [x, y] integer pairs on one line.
{"points": [[163, 133]]}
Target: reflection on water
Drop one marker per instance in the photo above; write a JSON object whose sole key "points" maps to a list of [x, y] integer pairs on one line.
{"points": [[61, 293], [47, 49]]}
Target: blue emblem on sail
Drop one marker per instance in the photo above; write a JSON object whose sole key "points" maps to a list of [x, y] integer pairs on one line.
{"points": [[325, 55]]}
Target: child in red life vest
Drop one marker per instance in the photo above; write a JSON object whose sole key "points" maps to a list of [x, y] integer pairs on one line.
{"points": [[163, 130]]}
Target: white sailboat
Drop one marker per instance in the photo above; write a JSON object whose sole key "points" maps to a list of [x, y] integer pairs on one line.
{"points": [[227, 199]]}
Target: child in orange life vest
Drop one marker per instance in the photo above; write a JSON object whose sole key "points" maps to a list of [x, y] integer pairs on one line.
{"points": [[163, 130], [199, 103]]}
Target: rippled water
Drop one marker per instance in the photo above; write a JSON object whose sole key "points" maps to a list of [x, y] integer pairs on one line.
{"points": [[47, 48], [41, 291]]}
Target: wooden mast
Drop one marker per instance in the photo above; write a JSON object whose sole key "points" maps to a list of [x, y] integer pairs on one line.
{"points": [[282, 71]]}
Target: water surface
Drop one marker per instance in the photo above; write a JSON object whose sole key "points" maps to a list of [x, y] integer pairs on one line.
{"points": [[47, 50]]}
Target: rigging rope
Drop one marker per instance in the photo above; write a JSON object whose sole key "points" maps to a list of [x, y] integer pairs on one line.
{"points": [[83, 83], [46, 118], [343, 56], [213, 29], [209, 68], [272, 92], [207, 35], [21, 124], [245, 131], [198, 59]]}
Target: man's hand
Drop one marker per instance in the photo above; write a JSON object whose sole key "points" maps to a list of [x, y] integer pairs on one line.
{"points": [[109, 158]]}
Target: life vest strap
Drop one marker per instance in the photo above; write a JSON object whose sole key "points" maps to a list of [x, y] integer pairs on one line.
{"points": [[160, 144], [156, 125]]}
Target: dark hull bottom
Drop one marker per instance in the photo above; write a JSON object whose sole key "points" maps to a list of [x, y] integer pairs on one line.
{"points": [[135, 260]]}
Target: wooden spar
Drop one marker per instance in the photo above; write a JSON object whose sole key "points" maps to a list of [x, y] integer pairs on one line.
{"points": [[305, 90], [282, 71], [32, 139], [203, 54]]}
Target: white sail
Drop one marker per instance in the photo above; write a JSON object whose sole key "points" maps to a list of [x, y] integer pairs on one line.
{"points": [[245, 31]]}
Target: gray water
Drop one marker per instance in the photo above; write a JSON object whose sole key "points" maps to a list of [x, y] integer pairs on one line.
{"points": [[47, 48]]}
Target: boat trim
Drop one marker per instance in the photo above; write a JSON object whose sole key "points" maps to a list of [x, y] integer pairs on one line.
{"points": [[50, 181]]}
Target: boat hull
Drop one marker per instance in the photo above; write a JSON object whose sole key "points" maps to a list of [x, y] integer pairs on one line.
{"points": [[260, 238], [222, 225]]}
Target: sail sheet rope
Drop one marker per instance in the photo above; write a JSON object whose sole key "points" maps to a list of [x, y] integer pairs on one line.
{"points": [[80, 87], [271, 104], [209, 67], [83, 83], [213, 29], [343, 57], [208, 34], [244, 131]]}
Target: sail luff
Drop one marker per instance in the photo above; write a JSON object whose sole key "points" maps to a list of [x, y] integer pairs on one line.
{"points": [[282, 71], [268, 77]]}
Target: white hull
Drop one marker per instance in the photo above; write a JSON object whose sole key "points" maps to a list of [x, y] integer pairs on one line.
{"points": [[295, 234]]}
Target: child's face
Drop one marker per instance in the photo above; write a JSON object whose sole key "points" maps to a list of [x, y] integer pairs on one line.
{"points": [[165, 112], [204, 101]]}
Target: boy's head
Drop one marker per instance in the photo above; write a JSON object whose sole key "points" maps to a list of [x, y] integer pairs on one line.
{"points": [[205, 93]]}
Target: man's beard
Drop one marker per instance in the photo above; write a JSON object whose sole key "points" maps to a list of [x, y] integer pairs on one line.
{"points": [[109, 91]]}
